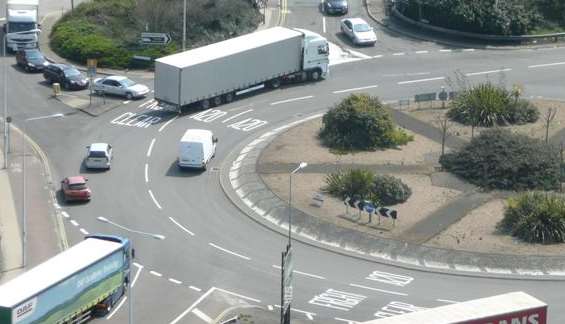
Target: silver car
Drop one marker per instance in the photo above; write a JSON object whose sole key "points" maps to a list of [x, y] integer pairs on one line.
{"points": [[359, 31], [120, 86]]}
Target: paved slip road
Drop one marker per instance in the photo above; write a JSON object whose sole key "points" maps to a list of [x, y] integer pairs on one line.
{"points": [[211, 248]]}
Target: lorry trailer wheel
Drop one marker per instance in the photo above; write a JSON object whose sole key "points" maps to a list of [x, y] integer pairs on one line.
{"points": [[275, 83], [205, 104], [217, 100], [315, 75], [228, 97]]}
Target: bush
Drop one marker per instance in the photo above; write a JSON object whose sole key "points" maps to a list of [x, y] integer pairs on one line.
{"points": [[360, 122], [535, 217], [389, 190], [499, 159], [488, 105]]}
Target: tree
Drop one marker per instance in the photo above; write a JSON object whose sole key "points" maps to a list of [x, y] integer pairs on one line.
{"points": [[444, 125], [548, 119]]}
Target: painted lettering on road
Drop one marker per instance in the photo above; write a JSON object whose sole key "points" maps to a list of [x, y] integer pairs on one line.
{"points": [[396, 308], [336, 299], [390, 278], [135, 120], [245, 125]]}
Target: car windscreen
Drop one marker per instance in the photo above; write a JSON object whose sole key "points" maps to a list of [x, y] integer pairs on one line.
{"points": [[361, 28], [77, 186], [127, 82], [34, 55], [72, 72], [96, 154]]}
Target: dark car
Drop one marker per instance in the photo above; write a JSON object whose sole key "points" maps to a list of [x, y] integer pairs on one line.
{"points": [[75, 188], [336, 7], [66, 75], [31, 60]]}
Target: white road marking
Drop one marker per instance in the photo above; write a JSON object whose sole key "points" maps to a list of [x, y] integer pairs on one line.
{"points": [[74, 222], [181, 227], [155, 273], [146, 172], [447, 301], [390, 278], [345, 320], [117, 308], [146, 103], [126, 102], [175, 281], [422, 52], [189, 309], [154, 200], [228, 251], [381, 290], [269, 307], [2, 18], [445, 50], [236, 115], [545, 65], [195, 288], [201, 315], [257, 87], [65, 214], [150, 148], [167, 124], [83, 231], [139, 268], [488, 72], [421, 80], [378, 56], [310, 317], [398, 54], [290, 100], [298, 310], [358, 54], [324, 24], [57, 206], [302, 273], [356, 89]]}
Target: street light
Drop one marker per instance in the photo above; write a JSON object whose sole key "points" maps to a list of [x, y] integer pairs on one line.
{"points": [[302, 165], [155, 236], [5, 72], [24, 213], [184, 26]]}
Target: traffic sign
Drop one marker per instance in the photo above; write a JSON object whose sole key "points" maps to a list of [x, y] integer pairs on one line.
{"points": [[155, 38]]}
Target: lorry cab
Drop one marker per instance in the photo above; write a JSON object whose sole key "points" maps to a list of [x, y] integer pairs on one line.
{"points": [[196, 148], [21, 27], [316, 54]]}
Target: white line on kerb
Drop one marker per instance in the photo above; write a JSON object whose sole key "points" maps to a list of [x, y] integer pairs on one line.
{"points": [[154, 200], [545, 65], [420, 80], [488, 72], [290, 100], [150, 148], [83, 231], [302, 273], [356, 89], [236, 115], [146, 172], [324, 24], [381, 290], [155, 273], [230, 252], [181, 227], [189, 309], [167, 123]]}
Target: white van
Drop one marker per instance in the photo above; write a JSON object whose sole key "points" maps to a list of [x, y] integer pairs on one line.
{"points": [[98, 156], [196, 148]]}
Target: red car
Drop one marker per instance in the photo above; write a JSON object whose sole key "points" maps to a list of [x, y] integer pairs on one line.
{"points": [[75, 188]]}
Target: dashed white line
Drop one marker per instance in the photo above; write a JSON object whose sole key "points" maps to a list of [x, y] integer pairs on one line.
{"points": [[422, 52], [65, 214], [290, 100], [74, 222], [356, 89], [181, 227], [175, 281], [150, 148], [269, 307], [202, 316], [324, 24], [545, 65], [236, 115], [230, 252], [488, 72], [468, 50], [381, 290], [155, 273], [447, 301], [378, 56], [154, 200], [146, 172], [126, 102], [445, 50], [195, 288], [167, 123], [421, 80], [302, 273], [398, 54], [83, 231]]}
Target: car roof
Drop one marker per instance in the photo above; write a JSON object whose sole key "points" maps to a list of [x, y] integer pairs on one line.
{"points": [[98, 146], [115, 77], [196, 135], [61, 66], [76, 179], [357, 21]]}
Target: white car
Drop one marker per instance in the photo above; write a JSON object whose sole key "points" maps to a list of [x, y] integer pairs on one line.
{"points": [[120, 86], [359, 31]]}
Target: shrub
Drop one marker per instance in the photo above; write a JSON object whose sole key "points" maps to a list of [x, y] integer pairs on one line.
{"points": [[499, 159], [535, 217], [389, 190], [489, 105], [360, 122]]}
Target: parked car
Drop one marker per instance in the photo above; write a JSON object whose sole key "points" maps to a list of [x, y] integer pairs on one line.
{"points": [[359, 31], [196, 148], [75, 188], [336, 7], [98, 156], [120, 86], [67, 75], [31, 60]]}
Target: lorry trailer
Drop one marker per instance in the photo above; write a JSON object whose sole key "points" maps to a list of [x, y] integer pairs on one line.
{"points": [[213, 74]]}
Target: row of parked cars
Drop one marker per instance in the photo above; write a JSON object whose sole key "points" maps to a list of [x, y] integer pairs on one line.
{"points": [[70, 78], [356, 29]]}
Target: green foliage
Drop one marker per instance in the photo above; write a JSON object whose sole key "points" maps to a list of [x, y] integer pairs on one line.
{"points": [[360, 122], [499, 159], [488, 105], [384, 190], [535, 217], [389, 190]]}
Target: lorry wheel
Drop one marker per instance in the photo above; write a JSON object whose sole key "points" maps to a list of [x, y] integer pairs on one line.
{"points": [[205, 104], [217, 100], [315, 75], [275, 83], [228, 97], [303, 76]]}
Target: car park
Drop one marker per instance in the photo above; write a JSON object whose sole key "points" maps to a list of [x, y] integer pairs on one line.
{"points": [[335, 7], [120, 86], [66, 75], [31, 60], [359, 31], [75, 189], [98, 156]]}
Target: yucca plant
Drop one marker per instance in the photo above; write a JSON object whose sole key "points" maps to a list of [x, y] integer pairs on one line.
{"points": [[351, 183]]}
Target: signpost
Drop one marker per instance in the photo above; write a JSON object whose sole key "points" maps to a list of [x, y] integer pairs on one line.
{"points": [[155, 38], [286, 284], [91, 65]]}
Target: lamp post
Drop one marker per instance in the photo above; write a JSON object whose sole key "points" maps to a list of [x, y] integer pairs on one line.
{"points": [[184, 26], [302, 165], [24, 212], [155, 236]]}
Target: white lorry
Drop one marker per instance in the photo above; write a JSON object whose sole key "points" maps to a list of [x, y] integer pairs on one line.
{"points": [[21, 29], [214, 74]]}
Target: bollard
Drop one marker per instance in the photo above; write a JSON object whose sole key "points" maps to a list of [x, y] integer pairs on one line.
{"points": [[56, 89]]}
